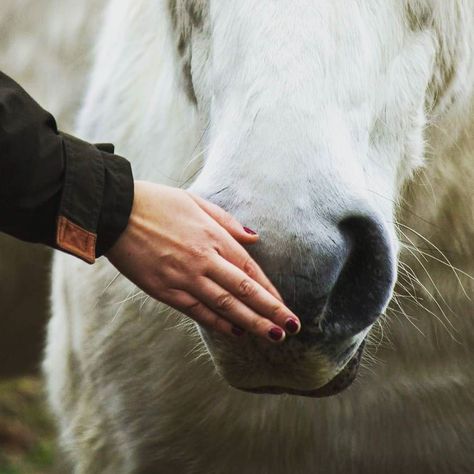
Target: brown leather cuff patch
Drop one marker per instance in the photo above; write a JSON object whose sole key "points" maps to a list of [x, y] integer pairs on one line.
{"points": [[76, 240]]}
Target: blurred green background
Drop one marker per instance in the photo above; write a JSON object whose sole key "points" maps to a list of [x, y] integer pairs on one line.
{"points": [[27, 437]]}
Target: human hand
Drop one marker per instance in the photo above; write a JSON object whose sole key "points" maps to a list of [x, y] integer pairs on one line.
{"points": [[185, 251]]}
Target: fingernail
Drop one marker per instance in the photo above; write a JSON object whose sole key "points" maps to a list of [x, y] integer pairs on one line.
{"points": [[292, 326], [237, 331], [276, 334], [250, 231]]}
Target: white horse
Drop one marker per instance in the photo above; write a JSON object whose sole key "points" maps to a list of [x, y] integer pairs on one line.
{"points": [[342, 132]]}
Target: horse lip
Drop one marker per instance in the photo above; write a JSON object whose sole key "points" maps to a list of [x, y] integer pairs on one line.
{"points": [[338, 384]]}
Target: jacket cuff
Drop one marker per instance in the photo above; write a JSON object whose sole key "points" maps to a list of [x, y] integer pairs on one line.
{"points": [[117, 201], [96, 199]]}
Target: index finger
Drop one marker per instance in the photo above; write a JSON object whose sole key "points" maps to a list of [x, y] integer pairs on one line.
{"points": [[234, 253], [254, 296]]}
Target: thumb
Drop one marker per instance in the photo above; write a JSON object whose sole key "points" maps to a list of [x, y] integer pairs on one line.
{"points": [[227, 221]]}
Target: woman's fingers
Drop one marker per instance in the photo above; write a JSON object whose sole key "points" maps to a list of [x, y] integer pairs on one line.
{"points": [[238, 256], [227, 221], [199, 312], [253, 295], [230, 307], [232, 250]]}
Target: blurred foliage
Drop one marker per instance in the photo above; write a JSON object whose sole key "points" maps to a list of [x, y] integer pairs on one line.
{"points": [[27, 436]]}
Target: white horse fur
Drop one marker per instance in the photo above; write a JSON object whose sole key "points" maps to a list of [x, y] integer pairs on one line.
{"points": [[361, 101]]}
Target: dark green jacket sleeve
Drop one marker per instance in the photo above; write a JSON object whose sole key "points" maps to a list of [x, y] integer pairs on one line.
{"points": [[56, 189]]}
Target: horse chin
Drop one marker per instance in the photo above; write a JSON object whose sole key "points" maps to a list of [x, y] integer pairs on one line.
{"points": [[336, 385]]}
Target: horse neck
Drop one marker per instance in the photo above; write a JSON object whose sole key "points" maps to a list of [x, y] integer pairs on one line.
{"points": [[136, 99], [436, 210]]}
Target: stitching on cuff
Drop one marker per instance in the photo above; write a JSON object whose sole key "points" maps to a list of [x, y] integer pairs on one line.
{"points": [[76, 240], [83, 190]]}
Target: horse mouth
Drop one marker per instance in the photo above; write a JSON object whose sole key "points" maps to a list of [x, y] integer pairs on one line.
{"points": [[337, 385]]}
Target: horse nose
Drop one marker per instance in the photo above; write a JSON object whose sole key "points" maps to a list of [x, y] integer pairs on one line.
{"points": [[365, 282], [339, 289]]}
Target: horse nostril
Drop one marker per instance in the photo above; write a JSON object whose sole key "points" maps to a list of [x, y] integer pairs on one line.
{"points": [[337, 277], [365, 282]]}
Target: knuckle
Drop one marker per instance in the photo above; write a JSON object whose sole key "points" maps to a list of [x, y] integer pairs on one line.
{"points": [[227, 219], [224, 301], [219, 325], [193, 307], [249, 268], [168, 277], [213, 323], [255, 325], [247, 289], [198, 252], [217, 246], [212, 235], [167, 262], [275, 312]]}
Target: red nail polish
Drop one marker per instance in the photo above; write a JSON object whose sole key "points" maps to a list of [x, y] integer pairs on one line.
{"points": [[276, 334], [250, 231], [237, 331], [292, 326]]}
